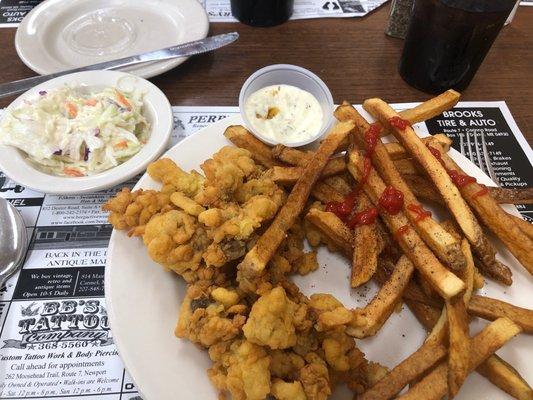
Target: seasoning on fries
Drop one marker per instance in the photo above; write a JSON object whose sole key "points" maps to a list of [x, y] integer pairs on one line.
{"points": [[446, 184]]}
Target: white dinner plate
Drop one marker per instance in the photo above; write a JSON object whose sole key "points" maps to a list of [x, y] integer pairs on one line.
{"points": [[156, 109], [143, 302], [58, 35]]}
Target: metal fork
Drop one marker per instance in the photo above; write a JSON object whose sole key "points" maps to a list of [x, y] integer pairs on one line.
{"points": [[480, 155], [484, 153]]}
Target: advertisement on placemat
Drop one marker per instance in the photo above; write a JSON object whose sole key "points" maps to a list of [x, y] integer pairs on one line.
{"points": [[488, 136], [13, 11], [55, 341], [220, 10]]}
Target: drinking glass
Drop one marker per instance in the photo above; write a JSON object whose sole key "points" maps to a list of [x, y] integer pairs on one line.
{"points": [[448, 39], [262, 12]]}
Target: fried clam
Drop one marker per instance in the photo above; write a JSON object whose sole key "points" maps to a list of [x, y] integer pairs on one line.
{"points": [[175, 240], [232, 226], [131, 211], [211, 314], [225, 173], [174, 179]]}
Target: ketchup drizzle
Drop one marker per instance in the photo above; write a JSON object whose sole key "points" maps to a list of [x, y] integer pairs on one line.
{"points": [[365, 217], [460, 180], [483, 191], [435, 152], [391, 200], [401, 231], [336, 207], [417, 209], [399, 123], [371, 137], [344, 209]]}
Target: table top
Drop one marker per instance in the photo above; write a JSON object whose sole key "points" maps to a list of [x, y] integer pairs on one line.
{"points": [[353, 56]]}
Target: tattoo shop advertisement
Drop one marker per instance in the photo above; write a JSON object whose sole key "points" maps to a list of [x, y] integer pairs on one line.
{"points": [[55, 341]]}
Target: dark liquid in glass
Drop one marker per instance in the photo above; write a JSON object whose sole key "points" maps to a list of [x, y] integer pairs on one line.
{"points": [[448, 39], [262, 12]]}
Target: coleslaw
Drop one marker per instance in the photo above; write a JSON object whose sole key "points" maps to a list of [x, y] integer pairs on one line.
{"points": [[72, 131]]}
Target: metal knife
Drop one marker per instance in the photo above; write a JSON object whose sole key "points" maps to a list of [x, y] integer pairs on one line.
{"points": [[182, 50]]}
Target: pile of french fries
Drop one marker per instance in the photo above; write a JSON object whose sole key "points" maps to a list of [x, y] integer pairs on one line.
{"points": [[439, 264]]}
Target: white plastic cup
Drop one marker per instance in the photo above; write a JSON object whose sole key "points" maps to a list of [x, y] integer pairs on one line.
{"points": [[286, 74]]}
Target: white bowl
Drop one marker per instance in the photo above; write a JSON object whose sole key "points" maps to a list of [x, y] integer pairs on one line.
{"points": [[157, 110], [286, 74]]}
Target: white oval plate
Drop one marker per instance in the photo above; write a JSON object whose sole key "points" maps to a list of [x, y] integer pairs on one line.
{"points": [[157, 110], [143, 303], [58, 35]]}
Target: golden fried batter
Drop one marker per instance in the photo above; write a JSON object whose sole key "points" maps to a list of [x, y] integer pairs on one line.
{"points": [[279, 267], [232, 226], [282, 390], [271, 321], [331, 312], [228, 298], [225, 173], [286, 364], [248, 372], [362, 373], [336, 347], [256, 210], [306, 263], [260, 186], [174, 178], [175, 240], [186, 204], [132, 210], [314, 377], [272, 341], [204, 320]]}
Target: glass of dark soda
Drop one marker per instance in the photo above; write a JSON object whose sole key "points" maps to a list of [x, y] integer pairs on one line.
{"points": [[448, 39], [262, 12]]}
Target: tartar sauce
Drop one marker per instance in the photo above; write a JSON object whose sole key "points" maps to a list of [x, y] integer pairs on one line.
{"points": [[284, 113]]}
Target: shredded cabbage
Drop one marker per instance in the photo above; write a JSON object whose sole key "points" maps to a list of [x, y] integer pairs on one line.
{"points": [[74, 132]]}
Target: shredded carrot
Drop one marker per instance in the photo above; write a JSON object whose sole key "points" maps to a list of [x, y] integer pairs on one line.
{"points": [[91, 102], [72, 172], [71, 109], [121, 145], [122, 100]]}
